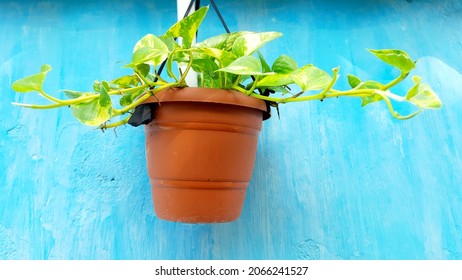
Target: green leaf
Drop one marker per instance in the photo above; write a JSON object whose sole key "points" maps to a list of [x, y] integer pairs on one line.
{"points": [[207, 66], [283, 90], [284, 65], [423, 96], [264, 65], [143, 69], [414, 89], [310, 77], [126, 99], [33, 82], [373, 98], [217, 42], [148, 55], [224, 57], [96, 85], [96, 111], [248, 43], [371, 85], [223, 41], [353, 80], [307, 77], [206, 70], [169, 42], [172, 45], [275, 80], [245, 65], [104, 99], [129, 97], [91, 112], [149, 50], [396, 58], [229, 43], [187, 27], [75, 94], [152, 42], [370, 99], [126, 81]]}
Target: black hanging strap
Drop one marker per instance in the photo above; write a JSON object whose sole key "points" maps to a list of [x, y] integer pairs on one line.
{"points": [[267, 114], [219, 16], [190, 6]]}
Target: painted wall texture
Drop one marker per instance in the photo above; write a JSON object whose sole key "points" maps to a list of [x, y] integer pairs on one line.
{"points": [[332, 180]]}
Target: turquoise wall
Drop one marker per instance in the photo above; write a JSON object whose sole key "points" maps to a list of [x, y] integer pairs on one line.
{"points": [[332, 180]]}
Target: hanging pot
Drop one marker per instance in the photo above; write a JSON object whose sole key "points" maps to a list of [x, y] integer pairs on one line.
{"points": [[200, 149]]}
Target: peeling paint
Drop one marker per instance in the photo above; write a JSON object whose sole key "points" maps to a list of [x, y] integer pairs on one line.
{"points": [[311, 250], [7, 243]]}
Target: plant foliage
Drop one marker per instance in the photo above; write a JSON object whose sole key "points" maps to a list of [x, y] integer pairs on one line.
{"points": [[228, 61]]}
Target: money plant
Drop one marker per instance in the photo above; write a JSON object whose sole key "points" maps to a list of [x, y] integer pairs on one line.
{"points": [[227, 61]]}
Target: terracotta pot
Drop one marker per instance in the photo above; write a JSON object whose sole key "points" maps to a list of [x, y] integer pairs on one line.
{"points": [[200, 150]]}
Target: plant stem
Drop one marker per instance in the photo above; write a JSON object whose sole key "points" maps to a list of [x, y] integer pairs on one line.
{"points": [[115, 124], [49, 97], [394, 113], [396, 81], [61, 104], [254, 85], [188, 67], [143, 79], [126, 90], [159, 78], [142, 98], [169, 67], [319, 96], [236, 82], [324, 92], [80, 99]]}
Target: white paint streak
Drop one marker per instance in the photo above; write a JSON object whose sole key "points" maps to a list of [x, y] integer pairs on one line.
{"points": [[182, 7]]}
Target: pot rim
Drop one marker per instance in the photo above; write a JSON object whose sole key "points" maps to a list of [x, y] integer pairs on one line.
{"points": [[210, 95]]}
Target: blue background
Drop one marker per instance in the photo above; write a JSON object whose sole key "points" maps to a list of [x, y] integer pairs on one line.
{"points": [[332, 180]]}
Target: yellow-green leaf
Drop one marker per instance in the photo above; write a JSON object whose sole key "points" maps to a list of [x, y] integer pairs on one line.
{"points": [[423, 96], [396, 58], [245, 65], [32, 82], [275, 80], [187, 27], [310, 77], [353, 81], [284, 64], [248, 43], [97, 111]]}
